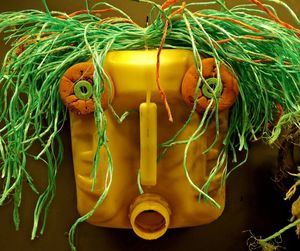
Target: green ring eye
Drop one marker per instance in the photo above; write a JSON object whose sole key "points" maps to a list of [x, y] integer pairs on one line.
{"points": [[213, 84], [83, 90]]}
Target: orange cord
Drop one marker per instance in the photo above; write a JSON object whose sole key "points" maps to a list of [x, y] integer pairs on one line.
{"points": [[117, 20], [93, 12], [270, 60], [229, 20], [163, 39], [161, 91], [168, 3], [280, 113], [276, 19], [241, 37]]}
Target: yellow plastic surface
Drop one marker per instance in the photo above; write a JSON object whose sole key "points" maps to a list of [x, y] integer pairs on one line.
{"points": [[133, 74], [148, 143]]}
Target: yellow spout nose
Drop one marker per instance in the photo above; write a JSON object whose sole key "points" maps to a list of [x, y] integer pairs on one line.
{"points": [[149, 216], [148, 143]]}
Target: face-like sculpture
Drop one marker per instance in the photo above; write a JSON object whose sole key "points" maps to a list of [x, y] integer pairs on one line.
{"points": [[140, 170], [155, 183]]}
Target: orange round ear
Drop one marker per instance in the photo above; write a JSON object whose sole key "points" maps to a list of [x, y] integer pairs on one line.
{"points": [[76, 89], [228, 91]]}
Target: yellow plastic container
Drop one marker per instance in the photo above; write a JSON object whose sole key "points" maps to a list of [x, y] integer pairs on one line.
{"points": [[169, 200]]}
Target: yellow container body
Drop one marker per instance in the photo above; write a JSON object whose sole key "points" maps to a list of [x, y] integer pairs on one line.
{"points": [[133, 74]]}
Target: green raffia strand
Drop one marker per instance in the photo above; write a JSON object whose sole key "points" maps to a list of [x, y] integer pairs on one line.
{"points": [[32, 111], [123, 116], [277, 234], [140, 187], [270, 243], [46, 6]]}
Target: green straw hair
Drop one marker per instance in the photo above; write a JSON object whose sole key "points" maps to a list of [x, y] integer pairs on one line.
{"points": [[260, 50]]}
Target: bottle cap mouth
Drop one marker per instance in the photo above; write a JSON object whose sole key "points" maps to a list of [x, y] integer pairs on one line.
{"points": [[149, 216]]}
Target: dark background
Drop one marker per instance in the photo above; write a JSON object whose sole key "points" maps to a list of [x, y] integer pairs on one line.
{"points": [[253, 202]]}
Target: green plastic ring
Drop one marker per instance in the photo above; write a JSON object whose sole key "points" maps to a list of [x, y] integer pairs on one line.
{"points": [[83, 90], [212, 83]]}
